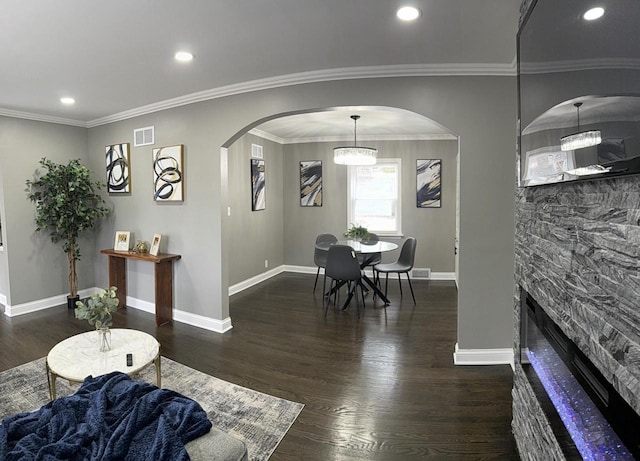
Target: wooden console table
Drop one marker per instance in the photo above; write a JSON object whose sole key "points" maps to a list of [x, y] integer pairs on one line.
{"points": [[163, 279]]}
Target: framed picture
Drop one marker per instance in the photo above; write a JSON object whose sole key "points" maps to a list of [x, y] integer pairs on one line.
{"points": [[311, 183], [258, 192], [117, 160], [122, 241], [428, 188], [155, 244], [168, 174]]}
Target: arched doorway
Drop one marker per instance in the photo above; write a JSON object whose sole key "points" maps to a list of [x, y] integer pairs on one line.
{"points": [[260, 244]]}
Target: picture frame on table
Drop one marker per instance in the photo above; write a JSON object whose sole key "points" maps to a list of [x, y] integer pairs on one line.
{"points": [[155, 245], [122, 241]]}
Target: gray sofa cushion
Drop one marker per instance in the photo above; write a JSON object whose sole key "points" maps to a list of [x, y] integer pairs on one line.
{"points": [[217, 446]]}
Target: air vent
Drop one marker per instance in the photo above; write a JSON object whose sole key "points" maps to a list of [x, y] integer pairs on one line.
{"points": [[143, 136], [421, 273], [256, 151]]}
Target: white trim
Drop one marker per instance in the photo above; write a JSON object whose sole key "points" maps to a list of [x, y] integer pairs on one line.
{"points": [[325, 75], [442, 276], [41, 118], [3, 299], [383, 137], [483, 356], [41, 304], [238, 287], [312, 270], [200, 321]]}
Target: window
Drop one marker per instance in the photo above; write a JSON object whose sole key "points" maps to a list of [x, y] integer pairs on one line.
{"points": [[374, 196]]}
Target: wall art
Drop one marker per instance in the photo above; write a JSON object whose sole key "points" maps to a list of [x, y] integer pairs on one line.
{"points": [[258, 191], [168, 174], [428, 183], [311, 183], [117, 159]]}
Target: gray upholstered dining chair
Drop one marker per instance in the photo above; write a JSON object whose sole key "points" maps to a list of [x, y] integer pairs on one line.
{"points": [[403, 265], [320, 256], [371, 258], [343, 267]]}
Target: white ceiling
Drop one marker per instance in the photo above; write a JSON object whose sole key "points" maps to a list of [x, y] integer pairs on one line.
{"points": [[116, 57]]}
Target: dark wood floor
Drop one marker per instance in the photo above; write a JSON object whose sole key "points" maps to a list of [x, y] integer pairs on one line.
{"points": [[381, 388]]}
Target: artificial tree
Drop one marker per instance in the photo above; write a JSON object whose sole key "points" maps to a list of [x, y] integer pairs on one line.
{"points": [[67, 203]]}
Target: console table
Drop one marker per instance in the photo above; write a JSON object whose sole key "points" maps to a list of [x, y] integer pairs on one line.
{"points": [[163, 279]]}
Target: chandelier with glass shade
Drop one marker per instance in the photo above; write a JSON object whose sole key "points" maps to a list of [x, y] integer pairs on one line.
{"points": [[355, 155], [580, 139]]}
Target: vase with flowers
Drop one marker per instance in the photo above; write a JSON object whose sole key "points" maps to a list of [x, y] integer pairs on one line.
{"points": [[98, 312]]}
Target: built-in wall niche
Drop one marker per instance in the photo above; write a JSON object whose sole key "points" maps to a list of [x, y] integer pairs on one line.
{"points": [[589, 418], [564, 60]]}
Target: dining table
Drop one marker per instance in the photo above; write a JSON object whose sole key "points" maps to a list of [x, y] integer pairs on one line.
{"points": [[368, 250]]}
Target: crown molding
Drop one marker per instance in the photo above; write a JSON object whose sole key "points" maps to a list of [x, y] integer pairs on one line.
{"points": [[346, 73], [390, 137], [42, 118], [580, 65]]}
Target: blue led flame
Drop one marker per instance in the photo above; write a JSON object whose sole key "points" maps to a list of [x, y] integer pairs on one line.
{"points": [[590, 431]]}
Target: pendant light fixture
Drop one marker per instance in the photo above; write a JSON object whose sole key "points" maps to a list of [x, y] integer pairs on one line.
{"points": [[581, 138], [354, 155]]}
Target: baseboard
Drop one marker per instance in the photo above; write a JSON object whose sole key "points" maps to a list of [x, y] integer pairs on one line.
{"points": [[483, 356], [200, 321], [41, 304], [443, 276], [238, 287], [313, 270], [3, 299]]}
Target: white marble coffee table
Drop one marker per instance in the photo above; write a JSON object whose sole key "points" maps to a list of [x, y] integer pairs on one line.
{"points": [[77, 357]]}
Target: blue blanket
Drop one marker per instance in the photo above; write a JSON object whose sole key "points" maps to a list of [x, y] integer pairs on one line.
{"points": [[110, 417]]}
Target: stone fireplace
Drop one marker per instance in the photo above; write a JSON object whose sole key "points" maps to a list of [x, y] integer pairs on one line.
{"points": [[577, 256], [577, 244]]}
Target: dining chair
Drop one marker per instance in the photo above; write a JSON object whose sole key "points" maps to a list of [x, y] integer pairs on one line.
{"points": [[320, 256], [404, 264], [343, 267], [371, 259]]}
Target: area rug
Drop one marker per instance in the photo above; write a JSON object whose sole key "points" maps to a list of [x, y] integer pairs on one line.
{"points": [[259, 420]]}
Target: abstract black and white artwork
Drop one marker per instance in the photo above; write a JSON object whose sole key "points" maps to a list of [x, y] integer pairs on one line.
{"points": [[258, 191], [428, 183], [168, 174], [311, 183], [117, 159]]}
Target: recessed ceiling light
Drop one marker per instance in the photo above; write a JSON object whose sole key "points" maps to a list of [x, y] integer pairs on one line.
{"points": [[184, 56], [408, 13], [593, 13], [67, 101]]}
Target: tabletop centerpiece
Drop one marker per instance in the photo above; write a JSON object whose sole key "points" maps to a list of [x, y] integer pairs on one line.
{"points": [[98, 312], [357, 232]]}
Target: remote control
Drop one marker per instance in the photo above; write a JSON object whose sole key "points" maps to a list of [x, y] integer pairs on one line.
{"points": [[129, 360]]}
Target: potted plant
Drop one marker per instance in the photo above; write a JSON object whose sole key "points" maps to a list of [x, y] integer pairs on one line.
{"points": [[67, 203], [97, 311], [357, 232]]}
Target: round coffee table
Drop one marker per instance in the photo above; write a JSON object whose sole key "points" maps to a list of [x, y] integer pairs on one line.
{"points": [[77, 357]]}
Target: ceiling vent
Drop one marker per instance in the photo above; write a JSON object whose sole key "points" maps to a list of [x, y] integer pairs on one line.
{"points": [[143, 136], [256, 151]]}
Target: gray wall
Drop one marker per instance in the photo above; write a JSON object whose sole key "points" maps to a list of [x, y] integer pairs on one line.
{"points": [[433, 227], [480, 110], [36, 267], [257, 235]]}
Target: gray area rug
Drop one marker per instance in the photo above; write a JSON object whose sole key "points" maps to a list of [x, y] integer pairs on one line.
{"points": [[259, 420]]}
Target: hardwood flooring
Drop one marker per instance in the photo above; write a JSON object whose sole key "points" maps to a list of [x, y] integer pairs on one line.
{"points": [[380, 388]]}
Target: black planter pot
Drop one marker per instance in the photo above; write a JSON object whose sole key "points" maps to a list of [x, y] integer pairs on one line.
{"points": [[71, 302]]}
